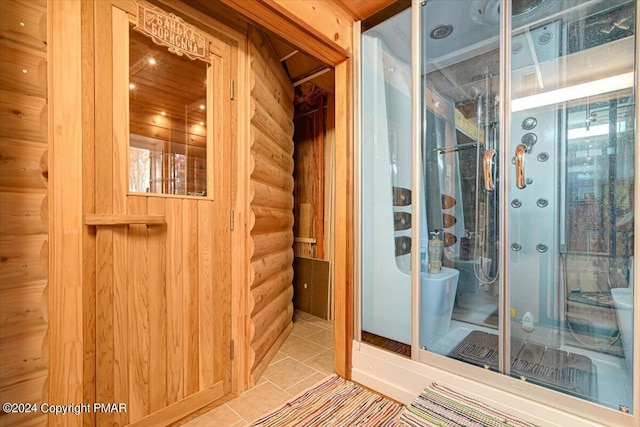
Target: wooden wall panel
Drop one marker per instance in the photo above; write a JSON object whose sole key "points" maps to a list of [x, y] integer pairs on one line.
{"points": [[157, 258], [23, 116], [22, 165], [309, 176], [24, 209], [25, 22], [271, 204], [22, 213], [23, 73]]}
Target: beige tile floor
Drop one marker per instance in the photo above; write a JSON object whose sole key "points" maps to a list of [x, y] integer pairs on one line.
{"points": [[305, 358]]}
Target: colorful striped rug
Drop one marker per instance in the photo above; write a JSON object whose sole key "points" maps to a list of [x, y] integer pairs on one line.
{"points": [[440, 406], [334, 402]]}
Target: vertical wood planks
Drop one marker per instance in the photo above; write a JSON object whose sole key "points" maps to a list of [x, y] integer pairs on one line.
{"points": [[177, 275], [191, 308], [138, 301], [319, 178], [205, 294], [88, 202], [157, 308], [112, 373]]}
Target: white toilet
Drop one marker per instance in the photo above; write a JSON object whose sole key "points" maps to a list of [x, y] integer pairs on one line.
{"points": [[623, 302], [437, 296], [390, 313]]}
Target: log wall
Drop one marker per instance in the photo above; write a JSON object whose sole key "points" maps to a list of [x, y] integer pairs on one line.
{"points": [[271, 204], [24, 209]]}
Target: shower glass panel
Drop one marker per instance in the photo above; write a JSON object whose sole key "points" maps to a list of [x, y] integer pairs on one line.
{"points": [[460, 88], [570, 220], [386, 191]]}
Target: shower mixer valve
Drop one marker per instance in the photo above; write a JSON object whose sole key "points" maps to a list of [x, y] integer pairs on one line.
{"points": [[526, 143]]}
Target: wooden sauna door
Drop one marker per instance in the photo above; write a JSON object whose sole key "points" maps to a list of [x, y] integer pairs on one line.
{"points": [[162, 261]]}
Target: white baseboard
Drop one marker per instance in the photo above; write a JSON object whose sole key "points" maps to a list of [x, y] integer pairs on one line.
{"points": [[402, 379]]}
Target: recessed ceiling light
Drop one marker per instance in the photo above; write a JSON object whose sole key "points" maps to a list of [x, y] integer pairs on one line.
{"points": [[202, 106], [202, 123], [132, 86], [163, 113], [152, 61]]}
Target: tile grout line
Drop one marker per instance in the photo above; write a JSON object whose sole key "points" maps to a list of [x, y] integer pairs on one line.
{"points": [[235, 412], [323, 326], [315, 371]]}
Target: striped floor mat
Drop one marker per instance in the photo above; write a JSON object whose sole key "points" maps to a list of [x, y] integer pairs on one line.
{"points": [[335, 402], [440, 406]]}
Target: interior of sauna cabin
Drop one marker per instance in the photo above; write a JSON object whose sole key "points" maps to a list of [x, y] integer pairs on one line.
{"points": [[449, 184]]}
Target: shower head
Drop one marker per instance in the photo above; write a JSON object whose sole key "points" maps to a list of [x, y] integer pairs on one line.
{"points": [[475, 92]]}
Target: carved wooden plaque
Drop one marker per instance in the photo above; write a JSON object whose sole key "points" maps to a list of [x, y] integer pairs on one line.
{"points": [[166, 29]]}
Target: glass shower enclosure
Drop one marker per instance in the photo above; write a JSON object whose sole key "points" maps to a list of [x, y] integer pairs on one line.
{"points": [[521, 161]]}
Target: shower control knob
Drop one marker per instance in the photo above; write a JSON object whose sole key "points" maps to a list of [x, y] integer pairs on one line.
{"points": [[542, 203], [516, 247], [529, 139], [516, 203], [542, 248], [529, 123], [529, 181], [543, 157]]}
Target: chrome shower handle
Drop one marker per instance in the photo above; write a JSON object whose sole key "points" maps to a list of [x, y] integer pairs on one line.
{"points": [[487, 165], [521, 150]]}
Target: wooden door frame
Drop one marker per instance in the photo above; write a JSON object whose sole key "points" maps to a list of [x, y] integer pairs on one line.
{"points": [[68, 116], [326, 32]]}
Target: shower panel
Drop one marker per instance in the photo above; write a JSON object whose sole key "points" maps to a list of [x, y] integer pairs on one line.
{"points": [[535, 152]]}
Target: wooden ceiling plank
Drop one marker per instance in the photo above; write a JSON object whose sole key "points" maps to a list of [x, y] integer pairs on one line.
{"points": [[325, 81], [303, 65]]}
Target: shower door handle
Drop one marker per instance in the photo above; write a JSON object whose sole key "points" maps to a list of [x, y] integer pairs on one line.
{"points": [[487, 165], [521, 150]]}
